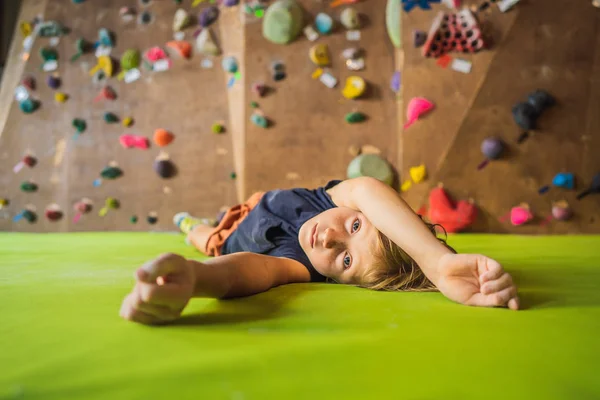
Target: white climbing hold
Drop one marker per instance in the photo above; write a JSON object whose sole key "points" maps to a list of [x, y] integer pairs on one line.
{"points": [[205, 43]]}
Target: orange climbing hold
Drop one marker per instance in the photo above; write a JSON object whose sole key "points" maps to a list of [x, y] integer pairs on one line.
{"points": [[162, 137], [454, 217], [182, 47]]}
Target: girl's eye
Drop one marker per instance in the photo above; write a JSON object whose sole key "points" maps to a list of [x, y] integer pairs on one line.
{"points": [[347, 261], [355, 225]]}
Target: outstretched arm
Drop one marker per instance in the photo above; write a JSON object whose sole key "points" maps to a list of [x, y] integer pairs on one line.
{"points": [[461, 278]]}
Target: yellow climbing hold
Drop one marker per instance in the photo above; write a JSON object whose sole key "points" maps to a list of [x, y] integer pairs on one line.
{"points": [[25, 28], [197, 2], [105, 64], [418, 173], [405, 186], [319, 55], [318, 72], [127, 122], [355, 87], [60, 97]]}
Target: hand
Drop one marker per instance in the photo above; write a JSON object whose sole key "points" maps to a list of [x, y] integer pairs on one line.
{"points": [[162, 290], [476, 280]]}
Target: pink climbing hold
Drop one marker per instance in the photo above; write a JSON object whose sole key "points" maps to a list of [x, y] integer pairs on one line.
{"points": [[417, 107], [155, 54], [520, 215], [129, 141]]}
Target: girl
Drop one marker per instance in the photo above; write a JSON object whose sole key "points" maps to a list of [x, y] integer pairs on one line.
{"points": [[357, 232]]}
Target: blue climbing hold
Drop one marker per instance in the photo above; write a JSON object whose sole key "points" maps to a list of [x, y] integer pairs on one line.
{"points": [[564, 180], [424, 4], [324, 23]]}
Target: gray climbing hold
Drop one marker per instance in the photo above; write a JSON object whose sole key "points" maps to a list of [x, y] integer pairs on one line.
{"points": [[371, 165], [205, 43], [282, 22], [350, 18]]}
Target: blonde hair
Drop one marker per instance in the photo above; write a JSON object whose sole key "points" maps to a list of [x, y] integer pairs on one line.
{"points": [[394, 270]]}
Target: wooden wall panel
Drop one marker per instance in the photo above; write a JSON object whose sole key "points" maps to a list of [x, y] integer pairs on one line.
{"points": [[309, 136], [186, 100]]}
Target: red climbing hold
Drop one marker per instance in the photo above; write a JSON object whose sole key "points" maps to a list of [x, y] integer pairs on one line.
{"points": [[457, 32], [107, 93], [453, 217]]}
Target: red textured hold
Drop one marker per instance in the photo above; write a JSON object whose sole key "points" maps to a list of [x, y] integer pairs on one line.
{"points": [[30, 161], [453, 217], [457, 32], [53, 215], [106, 93], [29, 82]]}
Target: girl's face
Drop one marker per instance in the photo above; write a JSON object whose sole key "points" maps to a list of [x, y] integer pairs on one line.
{"points": [[339, 243]]}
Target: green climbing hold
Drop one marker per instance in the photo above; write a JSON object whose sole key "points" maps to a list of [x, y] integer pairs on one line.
{"points": [[81, 46], [259, 120], [48, 54], [29, 187], [282, 22], [371, 165], [355, 117], [29, 216], [79, 124], [393, 22], [254, 104], [29, 105], [217, 128], [111, 172], [130, 59], [50, 29], [133, 219], [233, 175], [110, 118]]}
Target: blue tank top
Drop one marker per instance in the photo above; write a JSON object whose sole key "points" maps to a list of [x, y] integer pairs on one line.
{"points": [[272, 227]]}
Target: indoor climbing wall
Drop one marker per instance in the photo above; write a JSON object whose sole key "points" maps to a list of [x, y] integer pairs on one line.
{"points": [[523, 173], [307, 140], [124, 152]]}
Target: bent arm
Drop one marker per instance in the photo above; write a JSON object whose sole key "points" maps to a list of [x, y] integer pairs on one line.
{"points": [[245, 274], [390, 214]]}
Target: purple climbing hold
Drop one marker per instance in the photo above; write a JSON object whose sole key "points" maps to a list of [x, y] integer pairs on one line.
{"points": [[395, 83], [208, 16], [231, 3], [53, 82], [492, 148]]}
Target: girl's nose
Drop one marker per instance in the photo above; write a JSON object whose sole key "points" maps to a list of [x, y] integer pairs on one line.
{"points": [[330, 239]]}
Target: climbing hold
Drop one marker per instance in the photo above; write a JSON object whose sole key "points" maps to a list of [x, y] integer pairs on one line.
{"points": [[541, 100], [3, 202], [109, 203], [460, 65], [205, 43], [110, 118], [183, 48], [21, 93], [181, 20], [164, 168], [393, 22], [29, 82], [351, 53], [50, 29], [162, 137], [278, 70], [417, 107], [53, 212], [323, 23], [60, 97], [457, 32], [28, 187], [217, 128], [106, 38], [564, 180], [505, 5], [593, 189], [525, 115], [319, 55], [145, 17], [82, 46], [254, 104], [83, 206], [419, 38], [259, 88], [130, 59], [350, 18], [79, 125], [152, 218], [520, 215], [355, 87], [418, 173], [48, 54], [406, 185], [107, 93], [127, 13], [27, 215], [492, 148], [133, 219], [454, 217], [29, 105], [155, 54], [208, 16], [310, 33], [231, 3], [230, 64], [53, 81], [561, 211], [50, 66], [282, 22], [233, 176], [355, 117], [327, 79], [259, 120], [29, 161], [370, 165], [129, 141], [104, 64], [395, 83]]}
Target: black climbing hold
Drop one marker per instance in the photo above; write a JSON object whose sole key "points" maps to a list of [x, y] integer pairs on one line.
{"points": [[525, 115], [541, 100], [29, 216], [145, 17], [165, 168], [53, 82], [152, 219], [593, 189], [279, 76]]}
